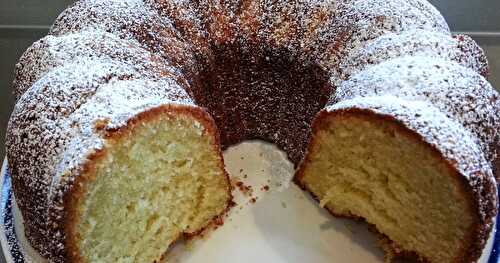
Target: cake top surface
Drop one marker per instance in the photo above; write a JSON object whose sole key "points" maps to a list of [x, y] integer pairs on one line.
{"points": [[51, 52], [108, 15], [461, 93], [461, 49], [319, 31]]}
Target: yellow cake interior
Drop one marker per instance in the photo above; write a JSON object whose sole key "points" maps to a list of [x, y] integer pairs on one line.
{"points": [[159, 180], [370, 168]]}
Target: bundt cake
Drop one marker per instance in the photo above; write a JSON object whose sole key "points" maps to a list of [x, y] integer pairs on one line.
{"points": [[123, 110]]}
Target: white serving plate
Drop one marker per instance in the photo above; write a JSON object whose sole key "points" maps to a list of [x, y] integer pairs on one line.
{"points": [[283, 225]]}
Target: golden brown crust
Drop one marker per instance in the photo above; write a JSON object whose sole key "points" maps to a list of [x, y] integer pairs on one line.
{"points": [[496, 162], [76, 194], [479, 232], [393, 251]]}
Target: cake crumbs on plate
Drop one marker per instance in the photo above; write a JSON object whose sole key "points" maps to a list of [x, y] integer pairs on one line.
{"points": [[245, 189]]}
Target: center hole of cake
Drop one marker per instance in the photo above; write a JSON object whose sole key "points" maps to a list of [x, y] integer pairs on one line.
{"points": [[256, 93]]}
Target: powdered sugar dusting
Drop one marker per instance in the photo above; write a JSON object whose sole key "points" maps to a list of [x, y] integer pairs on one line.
{"points": [[114, 16], [319, 31], [459, 92], [364, 20], [51, 52], [129, 20], [461, 49]]}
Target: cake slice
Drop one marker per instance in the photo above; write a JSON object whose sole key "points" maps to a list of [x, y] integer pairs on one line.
{"points": [[409, 170], [124, 165], [156, 179]]}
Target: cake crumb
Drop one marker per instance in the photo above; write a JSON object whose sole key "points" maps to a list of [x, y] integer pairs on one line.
{"points": [[246, 190], [265, 188]]}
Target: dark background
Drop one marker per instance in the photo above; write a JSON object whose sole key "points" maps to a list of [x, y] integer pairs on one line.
{"points": [[24, 21]]}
